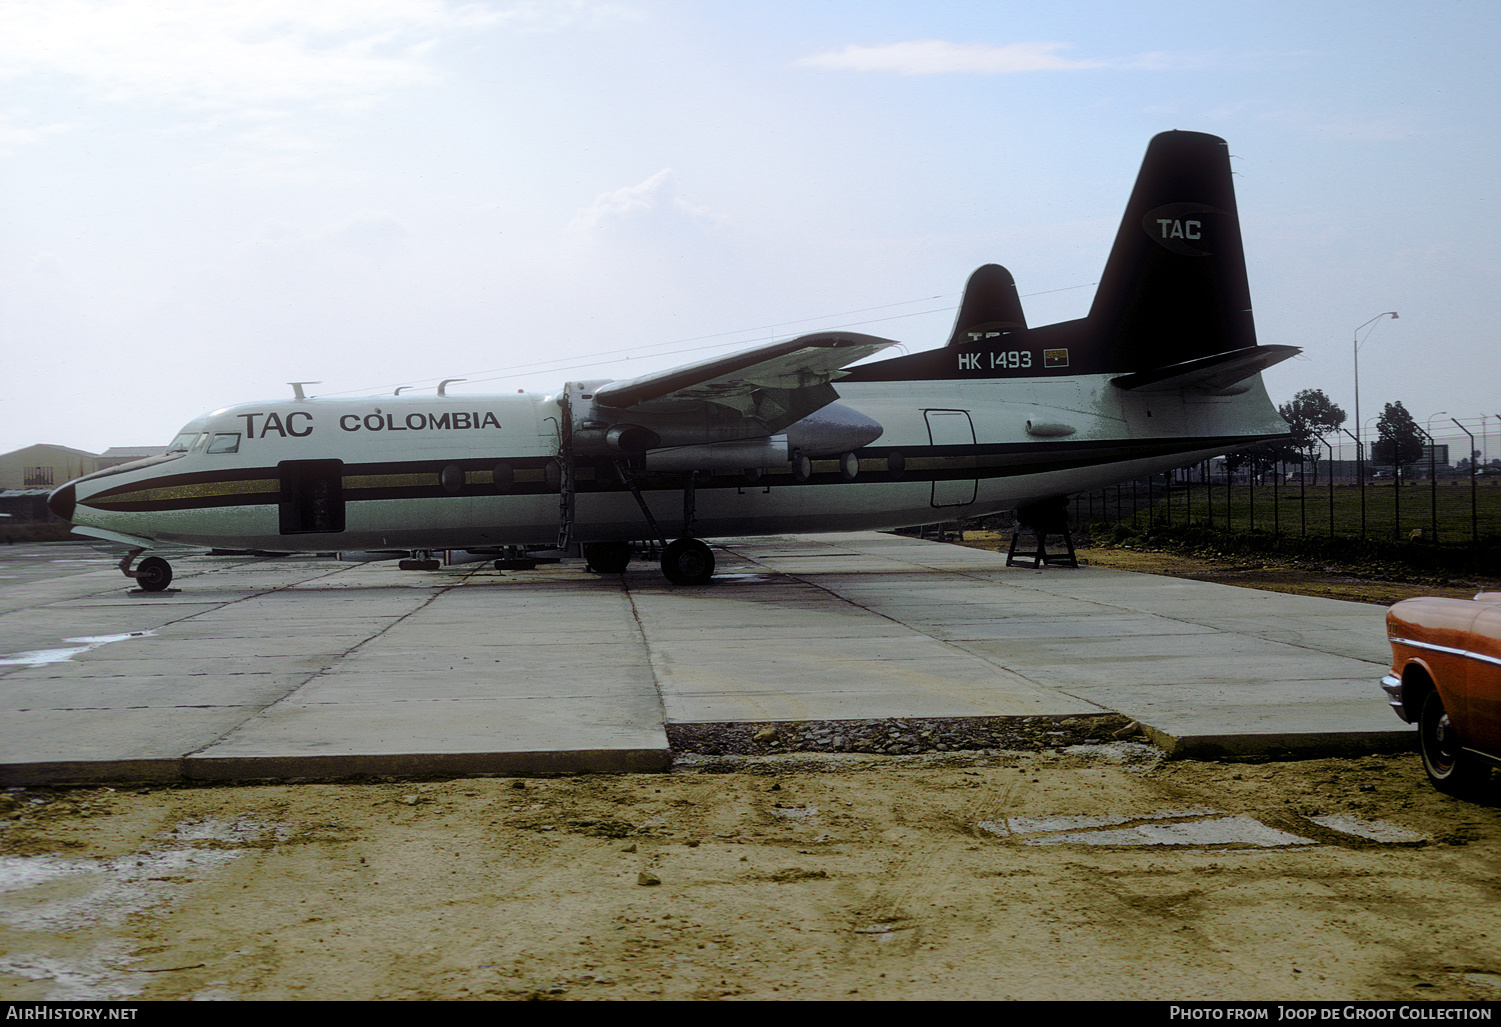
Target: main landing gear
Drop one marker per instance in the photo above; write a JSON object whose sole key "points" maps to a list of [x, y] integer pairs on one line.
{"points": [[688, 561], [608, 557], [685, 560], [153, 575]]}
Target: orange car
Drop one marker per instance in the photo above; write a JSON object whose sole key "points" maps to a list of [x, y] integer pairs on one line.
{"points": [[1446, 678]]}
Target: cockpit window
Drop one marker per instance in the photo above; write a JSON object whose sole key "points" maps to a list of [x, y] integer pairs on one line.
{"points": [[225, 442], [183, 442]]}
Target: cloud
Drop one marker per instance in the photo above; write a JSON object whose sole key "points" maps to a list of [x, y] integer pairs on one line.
{"points": [[653, 201], [938, 57], [368, 230], [18, 128], [217, 55]]}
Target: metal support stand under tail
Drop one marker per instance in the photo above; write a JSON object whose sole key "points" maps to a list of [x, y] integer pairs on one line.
{"points": [[1040, 556], [1041, 521]]}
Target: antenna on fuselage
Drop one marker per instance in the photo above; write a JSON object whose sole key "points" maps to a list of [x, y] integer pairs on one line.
{"points": [[399, 388], [297, 392], [445, 382]]}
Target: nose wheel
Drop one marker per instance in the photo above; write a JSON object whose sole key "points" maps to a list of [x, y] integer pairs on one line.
{"points": [[688, 561], [153, 575]]}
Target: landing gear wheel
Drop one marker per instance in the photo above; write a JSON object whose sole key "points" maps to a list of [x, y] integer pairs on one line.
{"points": [[1449, 767], [687, 561], [608, 557], [154, 574]]}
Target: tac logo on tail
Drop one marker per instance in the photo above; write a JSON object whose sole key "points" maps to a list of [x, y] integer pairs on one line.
{"points": [[1182, 228]]}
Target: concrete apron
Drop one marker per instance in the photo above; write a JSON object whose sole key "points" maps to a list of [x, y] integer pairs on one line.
{"points": [[305, 669]]}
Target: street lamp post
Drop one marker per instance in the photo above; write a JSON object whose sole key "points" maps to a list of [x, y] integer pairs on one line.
{"points": [[1359, 456]]}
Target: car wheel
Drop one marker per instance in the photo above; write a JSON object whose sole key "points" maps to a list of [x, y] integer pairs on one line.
{"points": [[154, 574], [1448, 766], [687, 561]]}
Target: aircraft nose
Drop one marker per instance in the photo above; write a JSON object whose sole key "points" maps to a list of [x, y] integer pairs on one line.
{"points": [[62, 501]]}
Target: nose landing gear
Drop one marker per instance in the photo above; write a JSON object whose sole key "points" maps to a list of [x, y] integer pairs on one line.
{"points": [[153, 575]]}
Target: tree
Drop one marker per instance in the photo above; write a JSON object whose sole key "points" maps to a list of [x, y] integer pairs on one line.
{"points": [[1258, 461], [1310, 416], [1398, 439]]}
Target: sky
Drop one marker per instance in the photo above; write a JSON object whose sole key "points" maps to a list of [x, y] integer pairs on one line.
{"points": [[202, 201]]}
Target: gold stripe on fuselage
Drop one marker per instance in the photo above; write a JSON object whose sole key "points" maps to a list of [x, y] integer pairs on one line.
{"points": [[197, 490], [391, 481]]}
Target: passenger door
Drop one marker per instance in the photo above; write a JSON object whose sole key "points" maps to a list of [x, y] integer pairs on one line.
{"points": [[952, 428], [312, 496]]}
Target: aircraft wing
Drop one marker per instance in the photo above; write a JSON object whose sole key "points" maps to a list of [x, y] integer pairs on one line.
{"points": [[807, 362]]}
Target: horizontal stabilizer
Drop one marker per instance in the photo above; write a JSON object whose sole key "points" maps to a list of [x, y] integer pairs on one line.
{"points": [[1216, 373], [805, 362]]}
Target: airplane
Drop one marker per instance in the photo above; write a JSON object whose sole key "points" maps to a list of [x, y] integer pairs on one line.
{"points": [[1164, 371]]}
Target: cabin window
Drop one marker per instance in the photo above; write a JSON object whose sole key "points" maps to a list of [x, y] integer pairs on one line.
{"points": [[225, 442]]}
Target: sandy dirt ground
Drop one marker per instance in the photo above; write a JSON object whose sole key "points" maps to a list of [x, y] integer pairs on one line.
{"points": [[1094, 872]]}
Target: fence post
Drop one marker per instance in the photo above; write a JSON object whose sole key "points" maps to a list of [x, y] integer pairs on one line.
{"points": [[1303, 499], [1474, 522], [1208, 492], [1229, 494], [1276, 495]]}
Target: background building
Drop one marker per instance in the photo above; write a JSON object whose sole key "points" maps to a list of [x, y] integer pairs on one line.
{"points": [[44, 467]]}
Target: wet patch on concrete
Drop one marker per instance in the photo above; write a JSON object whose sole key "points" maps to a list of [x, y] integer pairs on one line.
{"points": [[42, 657], [49, 894]]}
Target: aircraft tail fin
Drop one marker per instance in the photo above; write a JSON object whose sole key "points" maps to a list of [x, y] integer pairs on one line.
{"points": [[1174, 288], [990, 307]]}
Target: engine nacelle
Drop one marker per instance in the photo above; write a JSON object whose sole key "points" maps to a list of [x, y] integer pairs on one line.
{"points": [[832, 430], [741, 455], [631, 439]]}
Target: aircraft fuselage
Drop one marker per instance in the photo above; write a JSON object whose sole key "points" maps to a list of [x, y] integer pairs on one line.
{"points": [[426, 472]]}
